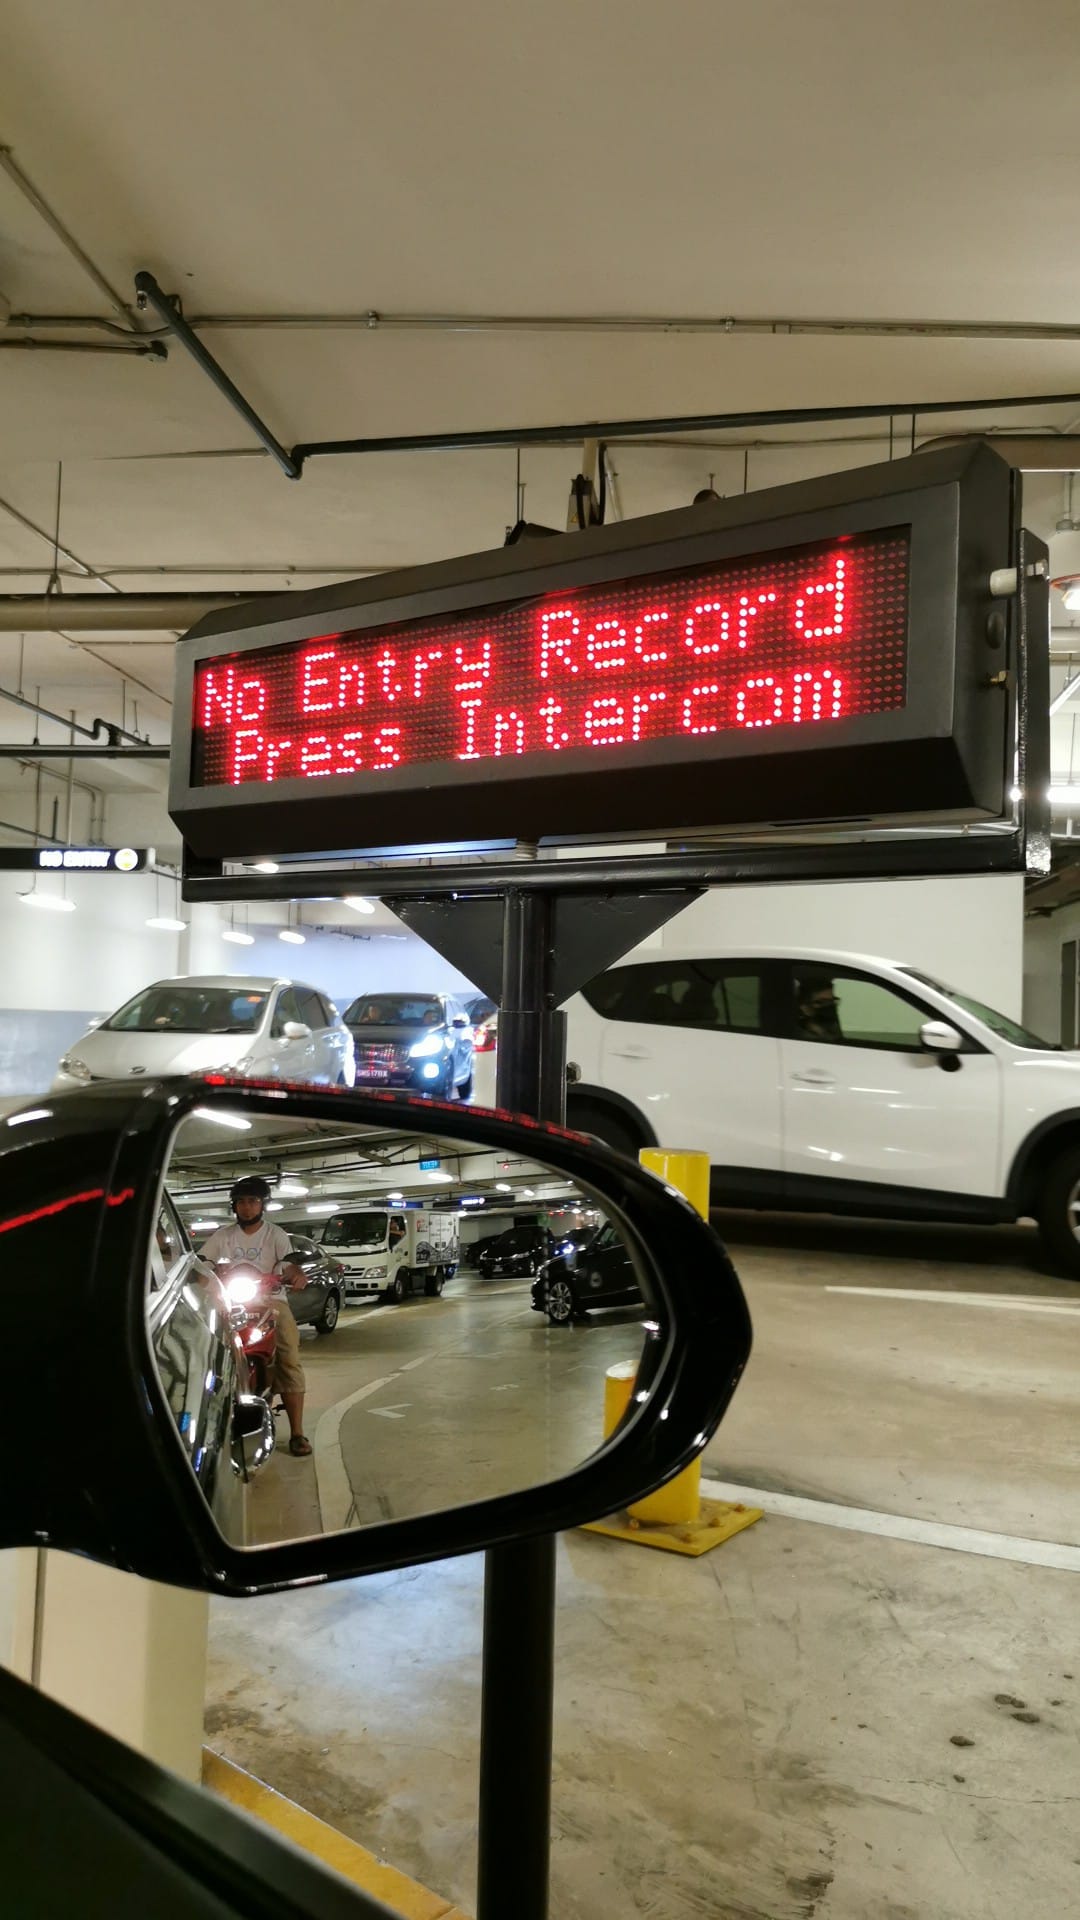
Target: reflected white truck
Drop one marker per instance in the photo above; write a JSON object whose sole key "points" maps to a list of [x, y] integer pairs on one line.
{"points": [[393, 1252]]}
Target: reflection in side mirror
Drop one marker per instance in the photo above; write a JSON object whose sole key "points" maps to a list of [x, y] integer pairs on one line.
{"points": [[937, 1036], [253, 1436], [296, 1030], [427, 1321], [459, 1020]]}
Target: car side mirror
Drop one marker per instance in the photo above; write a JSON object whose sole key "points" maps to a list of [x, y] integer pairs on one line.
{"points": [[296, 1030], [459, 1020], [162, 1489], [937, 1036]]}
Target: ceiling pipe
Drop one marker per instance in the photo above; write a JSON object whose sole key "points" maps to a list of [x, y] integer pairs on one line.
{"points": [[98, 729], [373, 321], [167, 308], [29, 752], [122, 613], [26, 187]]}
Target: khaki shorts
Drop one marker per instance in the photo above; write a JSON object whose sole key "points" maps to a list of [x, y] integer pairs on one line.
{"points": [[288, 1373]]}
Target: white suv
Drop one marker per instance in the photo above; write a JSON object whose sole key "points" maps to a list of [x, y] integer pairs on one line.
{"points": [[832, 1082]]}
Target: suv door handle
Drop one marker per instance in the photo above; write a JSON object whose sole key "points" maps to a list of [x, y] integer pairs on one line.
{"points": [[815, 1077]]}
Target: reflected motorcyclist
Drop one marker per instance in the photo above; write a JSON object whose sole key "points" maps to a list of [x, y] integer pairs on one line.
{"points": [[257, 1242]]}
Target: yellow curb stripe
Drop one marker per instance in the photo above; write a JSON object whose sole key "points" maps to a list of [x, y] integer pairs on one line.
{"points": [[404, 1896]]}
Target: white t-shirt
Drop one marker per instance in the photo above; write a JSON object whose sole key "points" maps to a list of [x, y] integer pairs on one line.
{"points": [[265, 1250]]}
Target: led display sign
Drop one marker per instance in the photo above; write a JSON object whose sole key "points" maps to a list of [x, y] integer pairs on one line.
{"points": [[810, 654]]}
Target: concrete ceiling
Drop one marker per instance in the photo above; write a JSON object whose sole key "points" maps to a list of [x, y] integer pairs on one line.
{"points": [[697, 160]]}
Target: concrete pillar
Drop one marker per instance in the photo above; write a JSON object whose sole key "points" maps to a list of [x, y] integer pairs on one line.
{"points": [[127, 1655]]}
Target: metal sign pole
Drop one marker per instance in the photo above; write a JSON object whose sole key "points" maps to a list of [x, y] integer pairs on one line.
{"points": [[519, 1578]]}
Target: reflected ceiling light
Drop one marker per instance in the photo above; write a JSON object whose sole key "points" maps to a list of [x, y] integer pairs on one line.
{"points": [[503, 1186], [265, 866], [395, 1196], [274, 1206], [165, 924], [197, 1226], [32, 1113], [234, 1120], [290, 934], [322, 1206], [238, 939], [358, 905]]}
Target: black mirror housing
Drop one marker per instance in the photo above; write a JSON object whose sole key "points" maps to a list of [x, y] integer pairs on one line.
{"points": [[80, 1182]]}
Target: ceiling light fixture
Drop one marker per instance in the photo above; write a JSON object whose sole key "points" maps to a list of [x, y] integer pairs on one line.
{"points": [[265, 866], [322, 1206], [53, 902], [235, 1121], [294, 939], [165, 924], [238, 939], [357, 904]]}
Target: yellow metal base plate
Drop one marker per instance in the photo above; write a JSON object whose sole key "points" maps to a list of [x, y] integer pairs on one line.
{"points": [[717, 1521]]}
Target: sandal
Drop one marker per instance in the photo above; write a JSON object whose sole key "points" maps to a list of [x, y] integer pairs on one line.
{"points": [[300, 1445]]}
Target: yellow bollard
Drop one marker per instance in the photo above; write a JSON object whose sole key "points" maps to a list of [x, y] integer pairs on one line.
{"points": [[675, 1517], [679, 1502]]}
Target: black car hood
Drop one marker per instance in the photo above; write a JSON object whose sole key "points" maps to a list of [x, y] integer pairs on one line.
{"points": [[382, 1036]]}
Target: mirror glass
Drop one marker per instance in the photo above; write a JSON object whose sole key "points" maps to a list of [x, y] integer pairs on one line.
{"points": [[377, 1324]]}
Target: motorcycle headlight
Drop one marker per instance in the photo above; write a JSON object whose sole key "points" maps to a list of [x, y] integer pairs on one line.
{"points": [[241, 1289], [77, 1068], [431, 1043]]}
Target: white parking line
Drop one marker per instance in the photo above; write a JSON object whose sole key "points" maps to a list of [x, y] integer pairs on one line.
{"points": [[1007, 1302], [896, 1526]]}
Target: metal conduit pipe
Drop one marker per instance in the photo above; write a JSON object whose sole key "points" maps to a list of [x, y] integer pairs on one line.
{"points": [[98, 729], [374, 321]]}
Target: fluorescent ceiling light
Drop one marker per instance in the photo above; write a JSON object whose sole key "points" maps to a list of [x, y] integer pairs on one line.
{"points": [[234, 1120], [274, 1206], [358, 905], [265, 866], [53, 902], [440, 1176], [395, 1196], [32, 1113], [292, 1190], [197, 1226], [238, 939], [503, 1186], [294, 939], [166, 925], [322, 1206]]}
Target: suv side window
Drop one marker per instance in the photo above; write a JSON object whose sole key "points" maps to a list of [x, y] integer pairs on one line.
{"points": [[312, 1011], [835, 1007], [286, 1009], [718, 996]]}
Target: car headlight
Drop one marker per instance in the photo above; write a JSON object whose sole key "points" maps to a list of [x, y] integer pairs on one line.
{"points": [[372, 1273], [77, 1068], [431, 1043]]}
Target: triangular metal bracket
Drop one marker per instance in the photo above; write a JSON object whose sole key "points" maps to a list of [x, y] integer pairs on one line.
{"points": [[590, 931]]}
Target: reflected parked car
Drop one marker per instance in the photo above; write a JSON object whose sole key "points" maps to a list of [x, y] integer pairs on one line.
{"points": [[262, 1028], [520, 1250], [202, 1370], [318, 1304], [598, 1274], [422, 1041]]}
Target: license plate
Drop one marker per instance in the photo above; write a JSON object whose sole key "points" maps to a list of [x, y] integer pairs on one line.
{"points": [[367, 1074]]}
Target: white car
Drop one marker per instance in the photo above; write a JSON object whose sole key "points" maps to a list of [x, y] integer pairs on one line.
{"points": [[832, 1082], [262, 1028]]}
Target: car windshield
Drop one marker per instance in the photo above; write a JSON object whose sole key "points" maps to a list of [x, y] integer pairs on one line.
{"points": [[364, 1230], [998, 1023], [185, 1007], [395, 1010]]}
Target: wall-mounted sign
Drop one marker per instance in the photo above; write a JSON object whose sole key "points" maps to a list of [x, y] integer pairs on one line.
{"points": [[817, 653], [76, 859]]}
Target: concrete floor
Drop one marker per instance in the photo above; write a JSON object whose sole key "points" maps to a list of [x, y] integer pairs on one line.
{"points": [[768, 1733]]}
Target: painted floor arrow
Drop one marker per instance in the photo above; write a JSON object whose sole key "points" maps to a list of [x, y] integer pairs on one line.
{"points": [[392, 1413]]}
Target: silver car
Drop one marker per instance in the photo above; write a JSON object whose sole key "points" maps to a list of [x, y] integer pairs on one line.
{"points": [[207, 1023]]}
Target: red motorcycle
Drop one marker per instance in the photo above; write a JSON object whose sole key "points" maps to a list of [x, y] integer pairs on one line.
{"points": [[251, 1307]]}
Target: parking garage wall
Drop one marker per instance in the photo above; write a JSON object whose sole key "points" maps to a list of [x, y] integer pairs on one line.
{"points": [[967, 933]]}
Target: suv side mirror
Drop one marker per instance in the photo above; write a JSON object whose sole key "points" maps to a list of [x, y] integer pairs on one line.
{"points": [[161, 1488], [296, 1030], [937, 1036]]}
